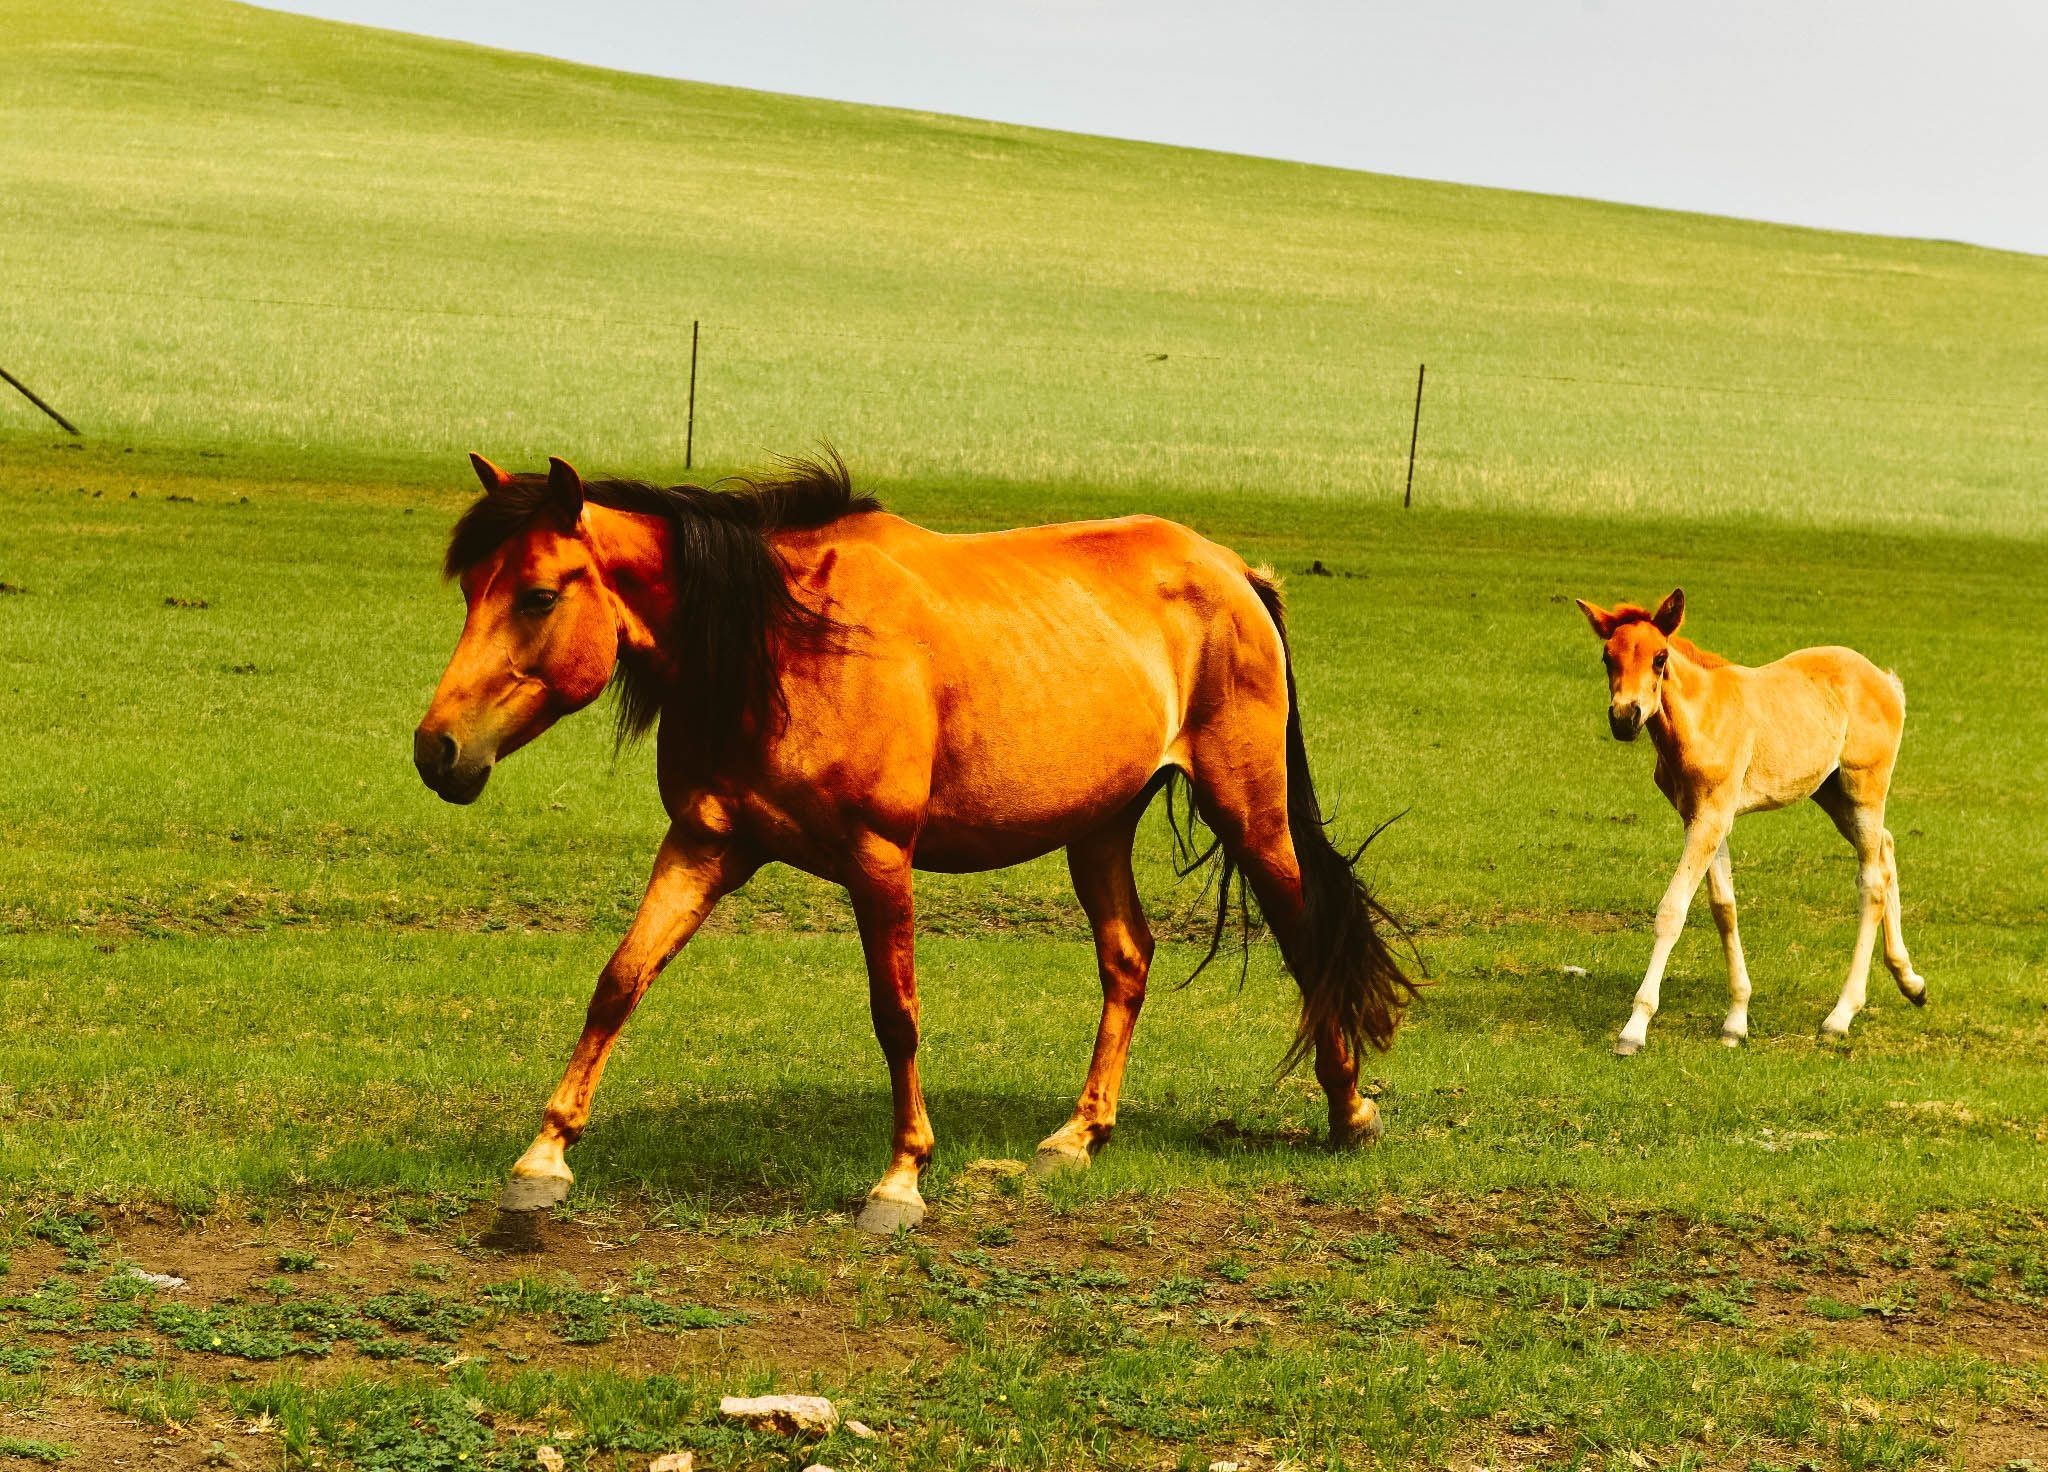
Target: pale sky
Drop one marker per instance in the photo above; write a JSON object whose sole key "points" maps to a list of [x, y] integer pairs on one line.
{"points": [[1900, 117]]}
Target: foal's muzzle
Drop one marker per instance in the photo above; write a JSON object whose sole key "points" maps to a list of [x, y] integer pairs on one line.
{"points": [[441, 766], [1625, 724]]}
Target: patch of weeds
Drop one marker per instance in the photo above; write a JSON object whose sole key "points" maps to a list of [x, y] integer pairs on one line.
{"points": [[1717, 1307], [71, 1233], [1174, 1291], [428, 1272], [22, 1359], [1833, 1309], [1230, 1270], [296, 1262], [35, 1451], [995, 1236], [157, 1399]]}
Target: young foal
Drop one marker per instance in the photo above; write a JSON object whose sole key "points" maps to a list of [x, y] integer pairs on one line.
{"points": [[855, 696], [1819, 723]]}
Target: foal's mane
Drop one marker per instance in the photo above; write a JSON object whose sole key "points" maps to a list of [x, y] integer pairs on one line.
{"points": [[733, 606], [1632, 613]]}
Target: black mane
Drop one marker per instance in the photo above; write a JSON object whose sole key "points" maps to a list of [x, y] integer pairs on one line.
{"points": [[733, 603]]}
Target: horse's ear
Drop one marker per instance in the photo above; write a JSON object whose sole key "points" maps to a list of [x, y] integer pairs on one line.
{"points": [[565, 489], [1601, 620], [494, 479], [1670, 613]]}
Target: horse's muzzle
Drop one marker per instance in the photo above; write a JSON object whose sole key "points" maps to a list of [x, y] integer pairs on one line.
{"points": [[439, 761], [1626, 725]]}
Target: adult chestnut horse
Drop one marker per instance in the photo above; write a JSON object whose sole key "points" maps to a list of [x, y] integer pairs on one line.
{"points": [[1821, 723], [839, 690]]}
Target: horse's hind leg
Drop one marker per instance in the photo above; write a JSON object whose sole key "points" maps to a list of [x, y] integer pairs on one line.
{"points": [[1862, 823], [1911, 982], [1101, 868], [1721, 895], [1246, 804], [879, 886]]}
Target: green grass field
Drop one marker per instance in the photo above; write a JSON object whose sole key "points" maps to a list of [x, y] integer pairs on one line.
{"points": [[273, 1017]]}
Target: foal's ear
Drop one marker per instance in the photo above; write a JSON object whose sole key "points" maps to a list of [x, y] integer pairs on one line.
{"points": [[1670, 613], [565, 490], [1602, 621], [494, 479]]}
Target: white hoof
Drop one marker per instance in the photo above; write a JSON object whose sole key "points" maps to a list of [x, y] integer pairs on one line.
{"points": [[884, 1214], [1834, 1030], [1731, 1039], [1915, 988], [1053, 1160], [1627, 1047], [534, 1193]]}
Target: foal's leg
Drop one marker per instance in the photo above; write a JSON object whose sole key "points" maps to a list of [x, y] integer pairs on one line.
{"points": [[880, 890], [1704, 835], [1101, 868], [1911, 982], [690, 875], [1847, 798], [1721, 895]]}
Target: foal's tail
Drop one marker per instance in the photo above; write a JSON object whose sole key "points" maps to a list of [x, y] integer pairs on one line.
{"points": [[1349, 977]]}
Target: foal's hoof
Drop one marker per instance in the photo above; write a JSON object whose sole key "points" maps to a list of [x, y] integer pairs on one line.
{"points": [[1733, 1039], [884, 1214], [1915, 988], [533, 1193], [1626, 1047], [1834, 1034]]}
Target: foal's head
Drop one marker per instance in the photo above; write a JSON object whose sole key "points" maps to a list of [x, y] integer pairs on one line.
{"points": [[1638, 649], [542, 633]]}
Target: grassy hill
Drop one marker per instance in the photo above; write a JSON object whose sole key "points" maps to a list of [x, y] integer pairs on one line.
{"points": [[315, 250], [275, 1019]]}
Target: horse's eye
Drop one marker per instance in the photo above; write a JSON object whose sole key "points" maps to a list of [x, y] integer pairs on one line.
{"points": [[1659, 660], [537, 600]]}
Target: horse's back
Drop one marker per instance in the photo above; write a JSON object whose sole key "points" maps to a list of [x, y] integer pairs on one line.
{"points": [[1056, 668]]}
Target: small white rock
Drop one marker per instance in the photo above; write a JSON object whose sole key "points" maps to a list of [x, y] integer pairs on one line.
{"points": [[547, 1459], [158, 1280], [674, 1462], [1223, 1467], [861, 1429], [819, 1467], [1577, 972], [788, 1415]]}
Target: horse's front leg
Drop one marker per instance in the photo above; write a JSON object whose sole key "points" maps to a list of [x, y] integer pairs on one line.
{"points": [[1704, 835], [880, 890], [691, 873]]}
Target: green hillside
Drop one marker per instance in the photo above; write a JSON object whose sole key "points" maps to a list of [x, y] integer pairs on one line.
{"points": [[321, 250]]}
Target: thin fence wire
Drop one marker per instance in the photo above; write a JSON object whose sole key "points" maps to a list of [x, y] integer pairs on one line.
{"points": [[1347, 363]]}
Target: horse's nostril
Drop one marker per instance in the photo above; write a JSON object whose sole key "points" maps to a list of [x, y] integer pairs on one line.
{"points": [[433, 752]]}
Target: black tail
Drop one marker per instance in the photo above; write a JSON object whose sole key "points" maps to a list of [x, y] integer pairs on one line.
{"points": [[1349, 977]]}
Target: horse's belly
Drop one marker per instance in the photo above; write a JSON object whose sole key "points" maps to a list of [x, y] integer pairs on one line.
{"points": [[1012, 789]]}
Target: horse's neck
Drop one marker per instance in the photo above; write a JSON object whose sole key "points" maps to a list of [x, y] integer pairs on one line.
{"points": [[634, 552], [1683, 703]]}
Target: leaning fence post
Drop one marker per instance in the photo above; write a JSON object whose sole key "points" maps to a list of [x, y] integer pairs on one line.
{"points": [[1414, 433], [30, 394], [690, 424]]}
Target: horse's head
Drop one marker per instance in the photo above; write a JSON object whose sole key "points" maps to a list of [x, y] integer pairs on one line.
{"points": [[1638, 647], [542, 632]]}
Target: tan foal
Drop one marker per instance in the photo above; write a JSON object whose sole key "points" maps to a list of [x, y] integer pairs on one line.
{"points": [[1821, 723]]}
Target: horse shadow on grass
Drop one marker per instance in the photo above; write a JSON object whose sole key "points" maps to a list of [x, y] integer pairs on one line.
{"points": [[816, 1147]]}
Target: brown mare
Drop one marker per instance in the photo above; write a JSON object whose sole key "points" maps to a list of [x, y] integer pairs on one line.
{"points": [[1821, 723], [839, 690]]}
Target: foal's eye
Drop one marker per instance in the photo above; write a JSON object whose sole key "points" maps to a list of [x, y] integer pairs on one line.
{"points": [[537, 600], [1658, 662]]}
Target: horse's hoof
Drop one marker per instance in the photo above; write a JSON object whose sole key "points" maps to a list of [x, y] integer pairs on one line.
{"points": [[1626, 1047], [1916, 992], [1833, 1035], [533, 1193], [1053, 1160], [1359, 1132], [884, 1214], [1733, 1039]]}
